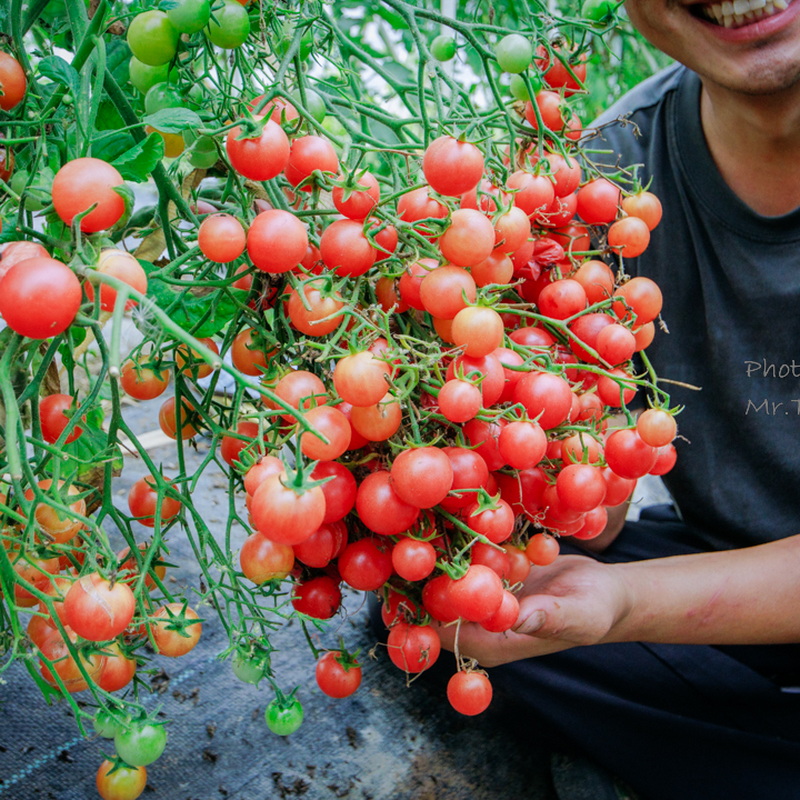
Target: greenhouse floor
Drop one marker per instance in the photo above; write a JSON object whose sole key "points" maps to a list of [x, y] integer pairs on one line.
{"points": [[389, 741]]}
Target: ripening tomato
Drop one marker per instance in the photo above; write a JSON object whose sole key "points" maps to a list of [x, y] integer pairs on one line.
{"points": [[598, 201], [277, 240], [332, 436], [542, 549], [63, 665], [13, 82], [83, 183], [143, 382], [337, 675], [380, 508], [357, 200], [314, 309], [580, 487], [413, 648], [123, 266], [309, 154], [452, 167], [546, 105], [629, 236], [417, 205], [522, 444], [444, 291], [300, 389], [55, 414], [192, 363], [39, 297], [366, 564], [469, 693], [124, 783], [478, 329], [345, 248], [178, 423], [231, 446], [119, 668], [176, 629], [640, 296], [361, 379], [422, 476], [285, 513], [61, 527], [656, 427], [221, 238], [318, 597], [96, 610], [378, 422], [644, 205], [340, 491], [533, 193], [260, 157], [469, 239], [263, 560]]}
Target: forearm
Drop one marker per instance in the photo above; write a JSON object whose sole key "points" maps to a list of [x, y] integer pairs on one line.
{"points": [[746, 596]]}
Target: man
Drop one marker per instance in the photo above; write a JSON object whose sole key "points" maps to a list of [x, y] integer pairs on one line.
{"points": [[685, 691]]}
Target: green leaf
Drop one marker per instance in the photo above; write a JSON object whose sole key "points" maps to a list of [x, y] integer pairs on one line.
{"points": [[202, 315], [55, 68], [136, 164], [173, 120]]}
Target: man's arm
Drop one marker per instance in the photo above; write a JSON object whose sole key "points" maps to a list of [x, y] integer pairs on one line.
{"points": [[746, 596]]}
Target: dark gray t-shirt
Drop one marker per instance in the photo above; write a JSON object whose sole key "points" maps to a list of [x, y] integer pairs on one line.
{"points": [[731, 284]]}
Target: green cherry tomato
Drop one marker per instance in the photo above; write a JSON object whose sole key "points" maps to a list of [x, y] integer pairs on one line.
{"points": [[601, 12], [37, 190], [443, 47], [230, 26], [316, 105], [518, 88], [162, 95], [140, 744], [153, 38], [249, 669], [106, 724], [190, 16], [144, 77], [284, 718], [514, 53]]}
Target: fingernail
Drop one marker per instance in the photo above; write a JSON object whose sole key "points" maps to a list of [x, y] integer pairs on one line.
{"points": [[531, 623]]}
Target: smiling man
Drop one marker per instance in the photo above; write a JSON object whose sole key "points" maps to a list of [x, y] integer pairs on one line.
{"points": [[671, 657]]}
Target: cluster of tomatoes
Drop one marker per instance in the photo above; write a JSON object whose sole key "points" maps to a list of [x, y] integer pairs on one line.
{"points": [[433, 373]]}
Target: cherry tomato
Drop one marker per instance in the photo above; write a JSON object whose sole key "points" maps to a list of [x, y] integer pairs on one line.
{"points": [[140, 743], [86, 182], [221, 238], [13, 82], [469, 693], [174, 629], [153, 39], [284, 718], [55, 413], [260, 157], [96, 610], [118, 782], [337, 676], [39, 297], [452, 167]]}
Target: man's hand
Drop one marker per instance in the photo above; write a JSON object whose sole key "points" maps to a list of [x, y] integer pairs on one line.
{"points": [[745, 596], [575, 601]]}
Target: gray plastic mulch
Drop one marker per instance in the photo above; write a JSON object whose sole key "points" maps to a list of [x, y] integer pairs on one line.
{"points": [[389, 741]]}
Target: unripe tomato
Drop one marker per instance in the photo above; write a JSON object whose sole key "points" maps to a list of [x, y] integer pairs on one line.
{"points": [[152, 38]]}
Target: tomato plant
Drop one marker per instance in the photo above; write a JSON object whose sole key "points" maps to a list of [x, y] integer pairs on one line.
{"points": [[399, 335]]}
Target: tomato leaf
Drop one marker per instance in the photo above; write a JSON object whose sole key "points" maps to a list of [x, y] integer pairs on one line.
{"points": [[55, 68], [202, 315], [136, 163], [174, 120]]}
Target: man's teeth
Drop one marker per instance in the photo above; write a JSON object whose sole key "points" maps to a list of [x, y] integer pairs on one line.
{"points": [[734, 13]]}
